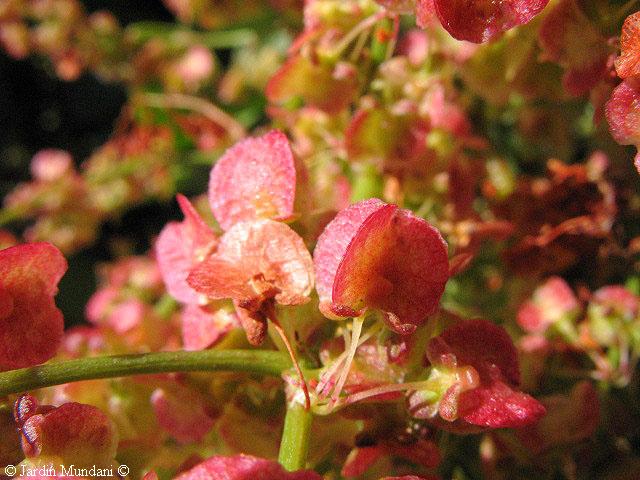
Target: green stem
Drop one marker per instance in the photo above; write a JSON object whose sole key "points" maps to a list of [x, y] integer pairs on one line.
{"points": [[141, 32], [251, 361], [295, 438]]}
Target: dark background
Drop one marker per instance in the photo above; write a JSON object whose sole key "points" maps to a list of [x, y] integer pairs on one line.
{"points": [[39, 111]]}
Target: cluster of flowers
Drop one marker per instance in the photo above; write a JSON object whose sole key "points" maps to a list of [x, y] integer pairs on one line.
{"points": [[411, 197]]}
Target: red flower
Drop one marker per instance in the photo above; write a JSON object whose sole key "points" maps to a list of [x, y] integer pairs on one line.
{"points": [[475, 372], [479, 21], [377, 256], [623, 114], [72, 433], [31, 327]]}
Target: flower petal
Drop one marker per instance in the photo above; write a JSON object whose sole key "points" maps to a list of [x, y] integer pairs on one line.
{"points": [[479, 21], [628, 63], [396, 263], [243, 467], [31, 327], [179, 247], [256, 178]]}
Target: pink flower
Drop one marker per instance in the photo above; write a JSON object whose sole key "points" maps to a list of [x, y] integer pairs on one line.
{"points": [[256, 264], [551, 302], [243, 467]]}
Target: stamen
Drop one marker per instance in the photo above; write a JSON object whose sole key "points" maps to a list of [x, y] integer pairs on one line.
{"points": [[353, 346], [326, 378], [394, 387]]}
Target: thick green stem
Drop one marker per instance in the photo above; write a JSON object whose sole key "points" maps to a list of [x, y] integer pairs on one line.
{"points": [[295, 438], [251, 361]]}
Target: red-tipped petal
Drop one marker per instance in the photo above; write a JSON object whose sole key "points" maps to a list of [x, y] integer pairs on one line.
{"points": [[243, 467], [479, 21], [256, 178], [628, 63], [396, 263]]}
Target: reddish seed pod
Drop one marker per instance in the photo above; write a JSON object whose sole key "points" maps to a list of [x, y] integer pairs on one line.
{"points": [[480, 21], [31, 327], [377, 256], [490, 399]]}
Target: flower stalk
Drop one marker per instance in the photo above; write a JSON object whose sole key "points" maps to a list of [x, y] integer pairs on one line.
{"points": [[251, 361], [294, 444]]}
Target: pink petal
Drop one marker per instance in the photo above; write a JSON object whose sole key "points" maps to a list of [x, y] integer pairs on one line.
{"points": [[256, 178], [202, 328], [551, 302], [479, 21], [425, 12], [243, 467], [72, 433], [181, 412], [481, 344], [623, 112], [618, 299], [179, 247]]}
